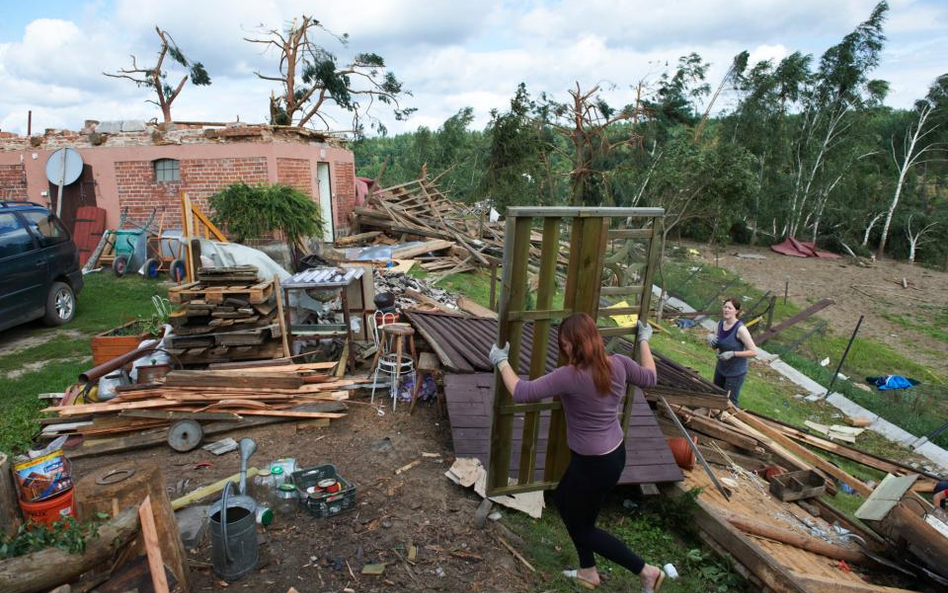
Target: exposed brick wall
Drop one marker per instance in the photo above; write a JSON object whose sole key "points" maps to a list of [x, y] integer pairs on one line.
{"points": [[295, 173], [343, 180], [200, 178], [13, 183]]}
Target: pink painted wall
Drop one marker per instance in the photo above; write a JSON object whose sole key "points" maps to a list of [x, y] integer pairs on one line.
{"points": [[103, 159]]}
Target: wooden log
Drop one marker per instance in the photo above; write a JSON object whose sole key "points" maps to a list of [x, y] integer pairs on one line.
{"points": [[9, 507], [148, 482], [46, 569], [797, 540], [351, 239]]}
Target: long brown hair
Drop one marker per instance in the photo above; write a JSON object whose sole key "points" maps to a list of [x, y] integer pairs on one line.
{"points": [[586, 349]]}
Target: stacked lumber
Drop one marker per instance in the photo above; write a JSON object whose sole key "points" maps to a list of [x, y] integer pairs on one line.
{"points": [[228, 314], [223, 396]]}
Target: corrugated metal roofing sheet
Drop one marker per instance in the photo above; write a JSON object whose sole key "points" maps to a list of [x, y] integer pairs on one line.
{"points": [[463, 343], [323, 278]]}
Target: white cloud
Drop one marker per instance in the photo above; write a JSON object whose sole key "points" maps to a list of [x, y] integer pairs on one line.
{"points": [[450, 54]]}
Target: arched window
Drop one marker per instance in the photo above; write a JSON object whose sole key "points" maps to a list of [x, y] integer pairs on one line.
{"points": [[167, 170]]}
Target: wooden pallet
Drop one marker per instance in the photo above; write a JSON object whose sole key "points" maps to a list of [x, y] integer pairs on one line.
{"points": [[256, 294]]}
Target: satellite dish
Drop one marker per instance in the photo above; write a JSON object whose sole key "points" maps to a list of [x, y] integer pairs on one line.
{"points": [[64, 166]]}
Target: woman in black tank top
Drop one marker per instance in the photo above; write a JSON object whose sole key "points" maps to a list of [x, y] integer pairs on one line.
{"points": [[734, 344]]}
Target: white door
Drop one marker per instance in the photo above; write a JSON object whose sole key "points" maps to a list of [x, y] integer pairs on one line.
{"points": [[325, 200]]}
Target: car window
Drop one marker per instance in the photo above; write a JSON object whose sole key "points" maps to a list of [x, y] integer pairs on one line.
{"points": [[14, 238], [47, 227]]}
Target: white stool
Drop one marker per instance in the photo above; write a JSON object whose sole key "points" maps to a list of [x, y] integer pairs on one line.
{"points": [[390, 357]]}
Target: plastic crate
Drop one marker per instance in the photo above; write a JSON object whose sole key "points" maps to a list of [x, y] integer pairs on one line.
{"points": [[324, 504]]}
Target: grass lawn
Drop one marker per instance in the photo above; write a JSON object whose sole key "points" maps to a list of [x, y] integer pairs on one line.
{"points": [[919, 410], [654, 528], [105, 302]]}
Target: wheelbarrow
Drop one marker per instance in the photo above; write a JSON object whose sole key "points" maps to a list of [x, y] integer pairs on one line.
{"points": [[158, 261], [121, 244]]}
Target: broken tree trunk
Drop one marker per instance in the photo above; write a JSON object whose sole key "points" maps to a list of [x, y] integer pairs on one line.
{"points": [[147, 482], [46, 569], [797, 540], [9, 508]]}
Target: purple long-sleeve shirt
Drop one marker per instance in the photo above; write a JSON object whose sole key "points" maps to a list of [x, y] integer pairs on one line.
{"points": [[592, 421]]}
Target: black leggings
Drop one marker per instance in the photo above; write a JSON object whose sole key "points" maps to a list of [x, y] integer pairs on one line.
{"points": [[579, 497]]}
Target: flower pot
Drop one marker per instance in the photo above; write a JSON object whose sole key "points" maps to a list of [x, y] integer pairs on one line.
{"points": [[684, 455], [107, 345]]}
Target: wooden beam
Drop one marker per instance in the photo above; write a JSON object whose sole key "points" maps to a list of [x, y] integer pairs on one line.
{"points": [[828, 585], [152, 547], [808, 312], [803, 453], [744, 549]]}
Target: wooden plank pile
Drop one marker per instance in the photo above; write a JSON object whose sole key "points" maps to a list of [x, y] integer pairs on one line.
{"points": [[223, 398], [229, 314], [420, 208]]}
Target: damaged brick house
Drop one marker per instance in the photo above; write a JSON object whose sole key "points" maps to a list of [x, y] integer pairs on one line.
{"points": [[131, 167]]}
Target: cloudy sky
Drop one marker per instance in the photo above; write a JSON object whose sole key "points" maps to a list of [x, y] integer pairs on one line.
{"points": [[450, 54]]}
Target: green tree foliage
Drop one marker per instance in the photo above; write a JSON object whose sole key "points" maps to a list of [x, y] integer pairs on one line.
{"points": [[155, 78], [312, 78], [453, 151], [805, 150]]}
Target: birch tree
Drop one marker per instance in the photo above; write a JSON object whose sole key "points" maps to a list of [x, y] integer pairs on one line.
{"points": [[914, 149]]}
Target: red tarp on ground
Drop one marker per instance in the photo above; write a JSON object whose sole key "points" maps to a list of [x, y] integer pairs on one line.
{"points": [[795, 248]]}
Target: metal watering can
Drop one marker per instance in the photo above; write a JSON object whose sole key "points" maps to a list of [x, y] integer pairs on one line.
{"points": [[234, 550]]}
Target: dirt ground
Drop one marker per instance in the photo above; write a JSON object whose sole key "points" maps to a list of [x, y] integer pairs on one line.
{"points": [[856, 291], [419, 507]]}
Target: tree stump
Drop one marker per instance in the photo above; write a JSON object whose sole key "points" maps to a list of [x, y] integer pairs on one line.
{"points": [[147, 480], [10, 517]]}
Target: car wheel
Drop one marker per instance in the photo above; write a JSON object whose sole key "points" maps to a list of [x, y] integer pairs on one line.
{"points": [[60, 304], [177, 271], [120, 265], [152, 268]]}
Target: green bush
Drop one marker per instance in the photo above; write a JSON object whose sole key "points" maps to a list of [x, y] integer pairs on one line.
{"points": [[253, 211]]}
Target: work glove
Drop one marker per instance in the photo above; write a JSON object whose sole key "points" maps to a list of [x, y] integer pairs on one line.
{"points": [[644, 332], [499, 355], [712, 339], [728, 355]]}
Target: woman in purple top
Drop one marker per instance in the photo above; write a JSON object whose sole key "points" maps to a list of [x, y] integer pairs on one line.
{"points": [[590, 388]]}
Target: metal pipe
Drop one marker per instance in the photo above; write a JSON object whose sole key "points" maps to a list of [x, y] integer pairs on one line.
{"points": [[105, 368], [845, 353]]}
